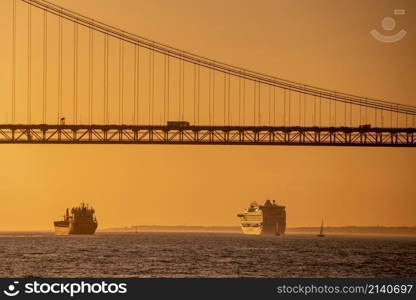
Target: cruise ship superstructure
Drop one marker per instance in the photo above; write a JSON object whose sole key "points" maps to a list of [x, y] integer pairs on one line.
{"points": [[269, 218]]}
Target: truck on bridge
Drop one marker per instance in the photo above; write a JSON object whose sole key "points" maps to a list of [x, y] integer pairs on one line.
{"points": [[178, 124]]}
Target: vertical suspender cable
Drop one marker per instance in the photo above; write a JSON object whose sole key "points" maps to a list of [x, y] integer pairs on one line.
{"points": [[195, 94], [239, 101], [366, 112], [335, 111], [330, 112], [284, 107], [91, 75], [14, 63], [320, 110], [165, 89], [259, 103], [288, 120], [183, 91], [225, 96], [150, 86], [304, 110], [153, 85], [213, 97], [199, 94], [45, 64], [391, 116], [60, 69], [229, 99], [274, 106], [270, 105], [75, 108], [244, 101], [209, 95], [107, 109], [406, 124], [134, 84], [168, 89], [121, 82], [397, 116], [106, 78], [300, 110], [179, 89], [29, 64], [254, 102], [382, 117], [345, 117], [120, 67], [137, 84]]}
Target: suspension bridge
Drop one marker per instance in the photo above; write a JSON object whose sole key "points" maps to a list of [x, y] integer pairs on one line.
{"points": [[75, 80]]}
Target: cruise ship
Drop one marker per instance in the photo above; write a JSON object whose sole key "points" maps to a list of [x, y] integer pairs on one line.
{"points": [[269, 218], [80, 221]]}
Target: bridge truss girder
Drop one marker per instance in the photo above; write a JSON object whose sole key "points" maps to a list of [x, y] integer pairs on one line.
{"points": [[207, 135]]}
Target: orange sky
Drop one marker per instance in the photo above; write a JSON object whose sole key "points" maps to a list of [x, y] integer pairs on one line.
{"points": [[323, 43]]}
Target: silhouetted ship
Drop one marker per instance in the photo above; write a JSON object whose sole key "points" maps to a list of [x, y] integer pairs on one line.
{"points": [[264, 219], [80, 221]]}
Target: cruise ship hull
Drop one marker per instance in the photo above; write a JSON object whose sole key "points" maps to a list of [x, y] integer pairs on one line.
{"points": [[261, 230], [251, 230]]}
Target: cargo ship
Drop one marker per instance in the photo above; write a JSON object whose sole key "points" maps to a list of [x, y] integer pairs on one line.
{"points": [[269, 218], [80, 221]]}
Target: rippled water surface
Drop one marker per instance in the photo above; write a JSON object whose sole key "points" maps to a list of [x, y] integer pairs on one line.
{"points": [[205, 255]]}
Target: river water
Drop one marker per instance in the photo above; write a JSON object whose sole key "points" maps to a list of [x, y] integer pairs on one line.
{"points": [[205, 255]]}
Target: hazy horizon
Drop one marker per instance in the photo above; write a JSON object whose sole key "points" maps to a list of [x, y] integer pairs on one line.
{"points": [[131, 227]]}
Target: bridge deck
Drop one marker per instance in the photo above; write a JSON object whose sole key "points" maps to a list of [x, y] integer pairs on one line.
{"points": [[207, 135]]}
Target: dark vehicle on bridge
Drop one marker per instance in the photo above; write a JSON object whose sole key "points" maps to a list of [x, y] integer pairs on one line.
{"points": [[178, 124], [366, 126]]}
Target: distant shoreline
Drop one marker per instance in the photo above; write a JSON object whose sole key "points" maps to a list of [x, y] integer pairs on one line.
{"points": [[395, 230]]}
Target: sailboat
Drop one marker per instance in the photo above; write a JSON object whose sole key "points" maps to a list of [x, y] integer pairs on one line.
{"points": [[321, 232]]}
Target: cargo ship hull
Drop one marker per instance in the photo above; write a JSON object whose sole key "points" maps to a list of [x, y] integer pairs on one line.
{"points": [[81, 220], [66, 228]]}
